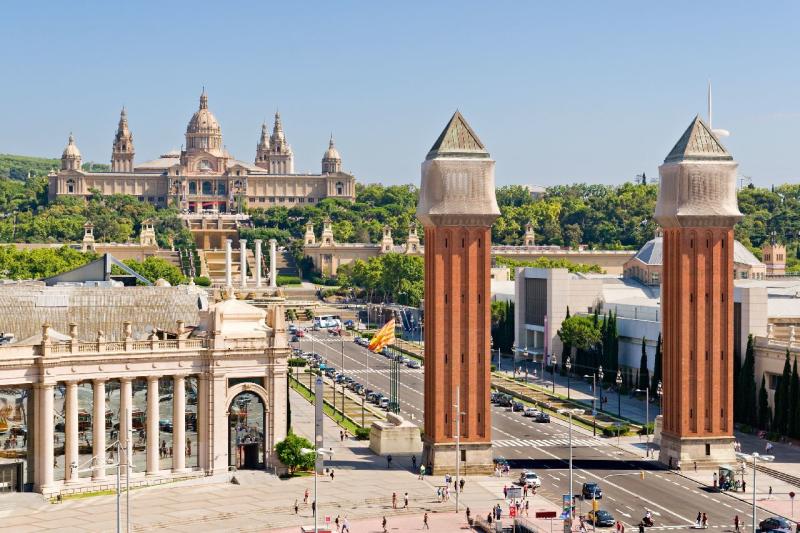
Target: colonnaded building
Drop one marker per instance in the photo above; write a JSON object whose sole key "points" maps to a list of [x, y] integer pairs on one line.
{"points": [[203, 176], [193, 388]]}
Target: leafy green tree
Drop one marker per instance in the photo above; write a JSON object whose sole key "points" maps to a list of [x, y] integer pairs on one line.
{"points": [[745, 392], [764, 412], [566, 349], [581, 333], [794, 402], [290, 453], [40, 263], [154, 268]]}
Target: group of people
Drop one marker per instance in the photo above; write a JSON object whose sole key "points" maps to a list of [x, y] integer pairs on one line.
{"points": [[701, 522], [501, 470], [394, 500]]}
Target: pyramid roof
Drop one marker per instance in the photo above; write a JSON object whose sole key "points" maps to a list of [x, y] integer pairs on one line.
{"points": [[698, 143], [457, 140]]}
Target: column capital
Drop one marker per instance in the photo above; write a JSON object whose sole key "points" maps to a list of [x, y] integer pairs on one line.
{"points": [[126, 379], [98, 381], [153, 377]]}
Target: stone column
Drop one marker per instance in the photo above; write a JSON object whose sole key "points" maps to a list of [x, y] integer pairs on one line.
{"points": [[99, 428], [243, 261], [202, 424], [44, 421], [125, 417], [179, 424], [273, 263], [257, 244], [152, 425], [228, 264], [71, 433]]}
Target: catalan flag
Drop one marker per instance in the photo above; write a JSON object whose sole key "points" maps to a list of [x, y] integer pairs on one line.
{"points": [[383, 338]]}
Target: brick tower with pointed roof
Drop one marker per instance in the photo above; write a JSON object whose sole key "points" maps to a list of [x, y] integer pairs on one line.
{"points": [[697, 210], [457, 207]]}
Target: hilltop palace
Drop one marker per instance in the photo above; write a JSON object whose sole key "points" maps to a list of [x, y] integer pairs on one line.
{"points": [[203, 177]]}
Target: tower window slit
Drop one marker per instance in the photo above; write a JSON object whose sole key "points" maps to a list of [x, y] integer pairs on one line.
{"points": [[706, 355], [463, 243], [462, 357], [691, 413]]}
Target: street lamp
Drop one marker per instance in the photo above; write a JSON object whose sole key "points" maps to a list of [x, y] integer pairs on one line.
{"points": [[619, 393], [317, 453], [646, 392], [552, 370], [755, 456], [659, 393], [570, 412], [595, 376], [567, 365], [75, 468]]}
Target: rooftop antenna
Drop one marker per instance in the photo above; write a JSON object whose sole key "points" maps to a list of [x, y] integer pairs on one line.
{"points": [[718, 132]]}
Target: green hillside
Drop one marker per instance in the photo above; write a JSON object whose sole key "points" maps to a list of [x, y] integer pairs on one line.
{"points": [[17, 167]]}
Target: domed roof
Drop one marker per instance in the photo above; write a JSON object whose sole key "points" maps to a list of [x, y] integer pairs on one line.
{"points": [[71, 150], [332, 152], [203, 121], [652, 253]]}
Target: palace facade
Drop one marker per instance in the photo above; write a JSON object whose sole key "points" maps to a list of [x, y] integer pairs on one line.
{"points": [[203, 177]]}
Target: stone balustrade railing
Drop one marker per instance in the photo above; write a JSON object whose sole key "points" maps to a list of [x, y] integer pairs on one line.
{"points": [[133, 346]]}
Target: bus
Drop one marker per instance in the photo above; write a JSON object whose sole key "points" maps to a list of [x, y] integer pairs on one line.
{"points": [[327, 321]]}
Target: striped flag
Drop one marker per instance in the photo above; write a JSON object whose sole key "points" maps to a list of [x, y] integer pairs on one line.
{"points": [[383, 338]]}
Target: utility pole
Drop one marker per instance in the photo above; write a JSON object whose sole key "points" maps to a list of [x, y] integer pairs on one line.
{"points": [[457, 405]]}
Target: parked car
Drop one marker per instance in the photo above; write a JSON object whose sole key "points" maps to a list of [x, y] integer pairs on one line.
{"points": [[591, 491], [384, 403], [413, 363], [494, 396], [165, 425], [775, 523], [601, 518], [349, 324], [530, 479], [542, 417], [517, 406], [504, 400], [292, 328], [300, 333], [294, 338], [530, 412]]}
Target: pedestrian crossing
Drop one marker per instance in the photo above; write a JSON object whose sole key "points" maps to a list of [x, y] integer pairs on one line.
{"points": [[546, 443]]}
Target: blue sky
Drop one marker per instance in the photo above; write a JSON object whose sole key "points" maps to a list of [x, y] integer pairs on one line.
{"points": [[558, 91]]}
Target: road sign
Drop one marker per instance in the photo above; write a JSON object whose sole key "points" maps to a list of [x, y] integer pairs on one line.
{"points": [[513, 492]]}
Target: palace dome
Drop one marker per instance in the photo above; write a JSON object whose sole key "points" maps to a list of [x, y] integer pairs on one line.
{"points": [[203, 120], [71, 150]]}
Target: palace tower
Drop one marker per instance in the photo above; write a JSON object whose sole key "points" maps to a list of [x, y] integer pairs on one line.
{"points": [[697, 209], [457, 207]]}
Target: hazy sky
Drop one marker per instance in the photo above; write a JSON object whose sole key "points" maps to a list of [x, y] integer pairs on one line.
{"points": [[558, 91]]}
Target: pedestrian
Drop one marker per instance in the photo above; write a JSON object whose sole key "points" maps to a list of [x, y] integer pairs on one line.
{"points": [[384, 524], [341, 435], [314, 507], [744, 485], [337, 522], [525, 491], [698, 520], [346, 525], [770, 492], [394, 500], [296, 507], [388, 461], [305, 497], [422, 471], [461, 484], [736, 523], [489, 518], [469, 519], [695, 466], [405, 501], [527, 506], [641, 527], [505, 492], [715, 480], [425, 521], [705, 521], [413, 462], [331, 474]]}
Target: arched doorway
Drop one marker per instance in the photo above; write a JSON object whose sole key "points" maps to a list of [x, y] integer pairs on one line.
{"points": [[247, 419]]}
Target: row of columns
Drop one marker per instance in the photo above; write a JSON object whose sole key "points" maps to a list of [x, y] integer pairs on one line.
{"points": [[273, 258], [45, 425]]}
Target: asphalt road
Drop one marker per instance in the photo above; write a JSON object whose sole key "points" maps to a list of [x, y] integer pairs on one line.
{"points": [[673, 500]]}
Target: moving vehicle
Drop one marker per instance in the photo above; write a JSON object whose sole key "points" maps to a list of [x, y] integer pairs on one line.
{"points": [[530, 479], [413, 363], [530, 412], [601, 518], [384, 403], [591, 491], [775, 523], [542, 417], [517, 406], [327, 321], [504, 400]]}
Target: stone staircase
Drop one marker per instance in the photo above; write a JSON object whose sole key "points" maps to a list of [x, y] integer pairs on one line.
{"points": [[213, 266]]}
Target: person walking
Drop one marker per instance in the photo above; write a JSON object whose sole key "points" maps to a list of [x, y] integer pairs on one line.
{"points": [[337, 523], [736, 523], [405, 501], [346, 525], [413, 462], [469, 518], [461, 484], [384, 524], [744, 485], [305, 497], [422, 472], [394, 500], [296, 507], [331, 474], [770, 492], [425, 521], [388, 461], [705, 521]]}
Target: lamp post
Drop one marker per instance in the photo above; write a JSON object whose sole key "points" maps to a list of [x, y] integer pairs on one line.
{"points": [[755, 456], [318, 452], [552, 370], [595, 376], [459, 414], [659, 393], [568, 365], [570, 412], [619, 393], [75, 468], [646, 418]]}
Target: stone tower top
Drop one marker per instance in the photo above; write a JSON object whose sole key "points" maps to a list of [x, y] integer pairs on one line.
{"points": [[698, 182], [71, 156], [457, 180], [122, 151]]}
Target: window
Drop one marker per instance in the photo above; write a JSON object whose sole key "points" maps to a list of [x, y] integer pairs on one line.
{"points": [[204, 165], [281, 199], [70, 186], [291, 199], [192, 187], [151, 199], [339, 188], [161, 199], [272, 199], [221, 188], [301, 200], [311, 200], [261, 199], [252, 200], [708, 449], [208, 188]]}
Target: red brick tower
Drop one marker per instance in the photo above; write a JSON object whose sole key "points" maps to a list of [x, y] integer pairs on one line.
{"points": [[697, 208], [457, 207]]}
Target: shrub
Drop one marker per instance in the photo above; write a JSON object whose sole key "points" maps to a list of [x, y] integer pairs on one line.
{"points": [[362, 433], [309, 314], [297, 362], [494, 367], [202, 281], [287, 280], [290, 454], [611, 431], [650, 427]]}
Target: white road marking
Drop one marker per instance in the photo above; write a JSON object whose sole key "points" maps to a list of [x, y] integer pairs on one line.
{"points": [[623, 514]]}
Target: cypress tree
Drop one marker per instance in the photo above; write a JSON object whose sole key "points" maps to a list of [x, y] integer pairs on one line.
{"points": [[781, 419], [657, 370], [764, 414], [644, 373], [794, 401], [566, 351], [746, 391]]}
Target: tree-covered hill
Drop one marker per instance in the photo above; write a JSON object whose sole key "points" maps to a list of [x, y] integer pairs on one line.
{"points": [[19, 167]]}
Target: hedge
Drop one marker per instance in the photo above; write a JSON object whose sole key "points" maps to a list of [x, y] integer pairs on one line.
{"points": [[362, 433], [287, 280], [202, 281], [297, 362]]}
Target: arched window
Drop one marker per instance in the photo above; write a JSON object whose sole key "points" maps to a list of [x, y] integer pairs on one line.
{"points": [[339, 188], [208, 188], [71, 186], [204, 165], [221, 188], [192, 187]]}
